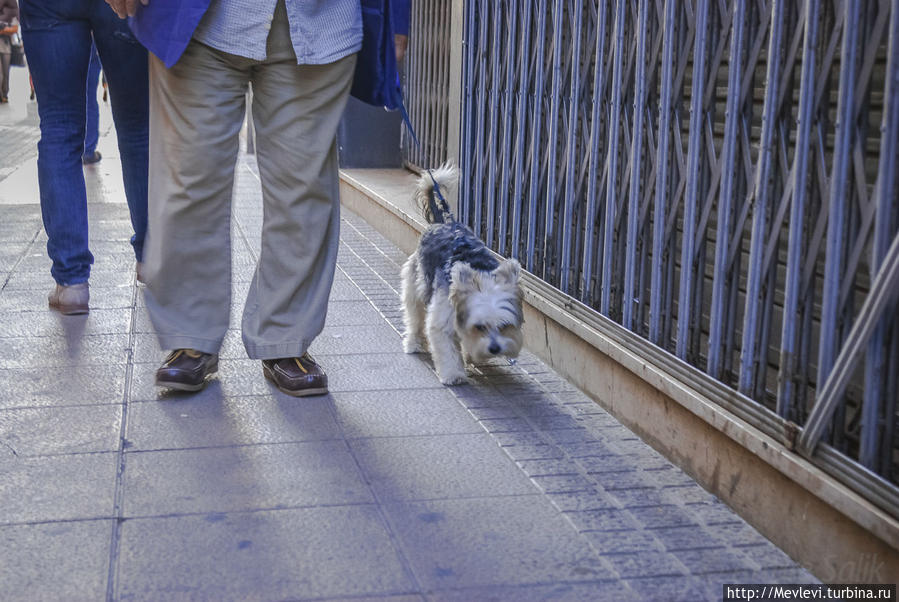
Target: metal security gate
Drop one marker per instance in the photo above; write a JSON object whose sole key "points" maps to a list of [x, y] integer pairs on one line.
{"points": [[717, 177]]}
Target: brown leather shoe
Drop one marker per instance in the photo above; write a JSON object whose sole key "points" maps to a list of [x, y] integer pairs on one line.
{"points": [[70, 299], [296, 376], [187, 370]]}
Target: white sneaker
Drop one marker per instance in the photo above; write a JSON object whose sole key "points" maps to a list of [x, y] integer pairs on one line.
{"points": [[70, 300]]}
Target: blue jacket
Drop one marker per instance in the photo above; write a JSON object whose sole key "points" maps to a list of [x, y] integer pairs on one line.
{"points": [[166, 26]]}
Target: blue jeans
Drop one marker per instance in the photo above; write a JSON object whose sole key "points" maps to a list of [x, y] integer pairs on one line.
{"points": [[57, 38], [92, 131]]}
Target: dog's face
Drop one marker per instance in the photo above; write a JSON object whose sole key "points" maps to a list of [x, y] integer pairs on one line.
{"points": [[488, 310]]}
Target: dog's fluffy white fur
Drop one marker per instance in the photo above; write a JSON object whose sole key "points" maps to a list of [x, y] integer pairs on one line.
{"points": [[460, 302]]}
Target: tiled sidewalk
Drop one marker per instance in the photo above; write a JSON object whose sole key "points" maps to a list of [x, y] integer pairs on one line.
{"points": [[393, 487]]}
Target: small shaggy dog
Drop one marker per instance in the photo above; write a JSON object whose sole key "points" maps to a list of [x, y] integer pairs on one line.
{"points": [[460, 302]]}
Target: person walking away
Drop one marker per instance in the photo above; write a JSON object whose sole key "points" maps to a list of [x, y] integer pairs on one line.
{"points": [[57, 37], [9, 24]]}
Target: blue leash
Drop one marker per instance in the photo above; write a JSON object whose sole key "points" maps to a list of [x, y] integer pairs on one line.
{"points": [[442, 212]]}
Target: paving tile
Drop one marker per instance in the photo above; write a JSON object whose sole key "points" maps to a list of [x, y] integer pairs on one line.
{"points": [[242, 478], [684, 538], [629, 541], [578, 501], [506, 425], [551, 467], [710, 560], [714, 513], [662, 516], [45, 323], [636, 498], [672, 589], [688, 494], [197, 421], [375, 338], [55, 561], [351, 313], [491, 541], [378, 371], [603, 519], [72, 350], [646, 564], [402, 412], [533, 452], [559, 592], [734, 533], [60, 386], [417, 468], [769, 556], [286, 554], [398, 598], [49, 488], [564, 483], [63, 430]]}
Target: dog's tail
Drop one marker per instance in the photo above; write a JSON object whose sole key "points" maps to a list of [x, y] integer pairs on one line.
{"points": [[446, 176]]}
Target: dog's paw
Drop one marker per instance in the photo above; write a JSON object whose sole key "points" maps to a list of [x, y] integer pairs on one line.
{"points": [[412, 345], [454, 378]]}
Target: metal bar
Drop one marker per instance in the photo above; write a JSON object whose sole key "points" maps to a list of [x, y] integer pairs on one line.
{"points": [[593, 175], [507, 129], [662, 156], [493, 120], [884, 291], [750, 353], [477, 217], [524, 56], [553, 121], [726, 190], [571, 167], [633, 211], [785, 390], [838, 190], [612, 161], [685, 294], [535, 139], [885, 197], [467, 118]]}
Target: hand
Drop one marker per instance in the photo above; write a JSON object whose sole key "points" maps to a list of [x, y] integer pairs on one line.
{"points": [[126, 8], [399, 42]]}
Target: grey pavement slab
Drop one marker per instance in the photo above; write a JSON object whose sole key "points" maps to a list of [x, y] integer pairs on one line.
{"points": [[492, 541], [444, 466], [61, 430], [302, 553], [56, 488], [194, 421], [242, 478], [55, 561], [401, 413], [391, 488], [62, 386]]}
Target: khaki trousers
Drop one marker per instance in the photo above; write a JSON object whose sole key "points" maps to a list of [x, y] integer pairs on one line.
{"points": [[196, 112]]}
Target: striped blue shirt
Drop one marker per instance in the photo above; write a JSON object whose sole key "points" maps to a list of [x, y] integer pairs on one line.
{"points": [[322, 31]]}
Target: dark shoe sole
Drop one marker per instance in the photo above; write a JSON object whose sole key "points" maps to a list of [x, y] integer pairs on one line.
{"points": [[266, 371]]}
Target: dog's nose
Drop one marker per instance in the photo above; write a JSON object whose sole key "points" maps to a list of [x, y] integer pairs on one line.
{"points": [[494, 348]]}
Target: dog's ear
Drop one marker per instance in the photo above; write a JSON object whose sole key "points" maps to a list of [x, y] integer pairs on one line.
{"points": [[464, 277], [508, 272]]}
